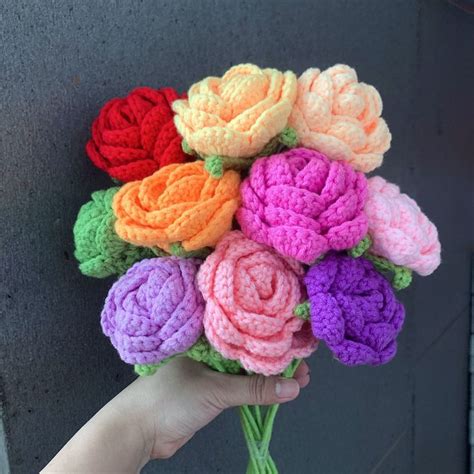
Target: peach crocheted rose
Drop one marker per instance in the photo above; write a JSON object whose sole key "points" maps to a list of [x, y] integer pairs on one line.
{"points": [[179, 203], [237, 114], [400, 231], [250, 293], [340, 117]]}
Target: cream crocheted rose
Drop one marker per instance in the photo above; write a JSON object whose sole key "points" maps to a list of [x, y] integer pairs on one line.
{"points": [[340, 117]]}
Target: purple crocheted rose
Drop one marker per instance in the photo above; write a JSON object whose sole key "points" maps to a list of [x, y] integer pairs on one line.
{"points": [[155, 310], [354, 310], [303, 205]]}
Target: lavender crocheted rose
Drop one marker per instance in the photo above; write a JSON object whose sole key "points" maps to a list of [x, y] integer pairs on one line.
{"points": [[354, 310], [155, 310]]}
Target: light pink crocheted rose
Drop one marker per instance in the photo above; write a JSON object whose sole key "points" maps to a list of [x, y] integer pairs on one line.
{"points": [[399, 230], [340, 117], [250, 293]]}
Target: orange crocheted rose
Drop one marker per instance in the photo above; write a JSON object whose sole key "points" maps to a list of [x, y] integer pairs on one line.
{"points": [[179, 203], [237, 114], [250, 292], [340, 117]]}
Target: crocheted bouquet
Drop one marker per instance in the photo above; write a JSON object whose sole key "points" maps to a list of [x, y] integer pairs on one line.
{"points": [[243, 230]]}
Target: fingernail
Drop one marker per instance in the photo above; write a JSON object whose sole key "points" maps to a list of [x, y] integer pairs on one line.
{"points": [[286, 388]]}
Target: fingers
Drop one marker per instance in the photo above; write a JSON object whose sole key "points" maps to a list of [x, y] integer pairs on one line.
{"points": [[236, 390], [302, 374]]}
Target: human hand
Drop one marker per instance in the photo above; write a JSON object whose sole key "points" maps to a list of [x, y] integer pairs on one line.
{"points": [[156, 415], [184, 396]]}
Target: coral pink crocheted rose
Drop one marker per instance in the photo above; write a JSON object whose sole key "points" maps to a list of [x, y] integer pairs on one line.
{"points": [[302, 204], [250, 293], [340, 117], [399, 230]]}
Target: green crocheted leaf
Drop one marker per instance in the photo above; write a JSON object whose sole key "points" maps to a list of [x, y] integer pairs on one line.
{"points": [[202, 351], [98, 249]]}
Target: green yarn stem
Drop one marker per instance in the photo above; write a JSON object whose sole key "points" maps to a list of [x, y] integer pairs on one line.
{"points": [[302, 311], [258, 432], [177, 250], [361, 247], [402, 276]]}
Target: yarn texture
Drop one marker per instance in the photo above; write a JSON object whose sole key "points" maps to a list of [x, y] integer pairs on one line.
{"points": [[250, 293], [99, 251], [354, 310], [400, 231], [340, 117], [303, 205], [134, 136], [237, 114], [178, 203], [155, 310]]}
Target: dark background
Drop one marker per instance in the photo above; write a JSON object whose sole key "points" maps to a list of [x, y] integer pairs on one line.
{"points": [[61, 60]]}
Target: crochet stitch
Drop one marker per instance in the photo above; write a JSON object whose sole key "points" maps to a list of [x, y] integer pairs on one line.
{"points": [[340, 117], [237, 114], [178, 203], [134, 136], [250, 293], [155, 310], [354, 310], [202, 351], [400, 231], [302, 204], [99, 250]]}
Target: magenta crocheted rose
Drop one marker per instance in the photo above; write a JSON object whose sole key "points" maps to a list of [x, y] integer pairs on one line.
{"points": [[354, 310], [302, 204], [400, 231], [155, 310]]}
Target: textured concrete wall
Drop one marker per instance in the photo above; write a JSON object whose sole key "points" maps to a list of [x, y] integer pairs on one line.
{"points": [[62, 59]]}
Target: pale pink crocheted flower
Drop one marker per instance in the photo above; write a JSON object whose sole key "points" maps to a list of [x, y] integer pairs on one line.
{"points": [[340, 117], [303, 205], [250, 293], [400, 231]]}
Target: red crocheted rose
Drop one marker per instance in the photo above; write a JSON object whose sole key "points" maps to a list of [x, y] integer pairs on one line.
{"points": [[134, 136]]}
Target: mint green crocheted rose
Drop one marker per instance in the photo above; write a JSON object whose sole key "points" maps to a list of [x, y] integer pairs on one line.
{"points": [[99, 250]]}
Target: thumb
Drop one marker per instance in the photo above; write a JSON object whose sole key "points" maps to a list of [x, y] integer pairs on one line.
{"points": [[236, 390]]}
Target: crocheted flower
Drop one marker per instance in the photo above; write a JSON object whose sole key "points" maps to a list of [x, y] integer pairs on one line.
{"points": [[134, 136], [155, 310], [399, 230], [250, 294], [354, 310], [99, 250], [237, 114], [302, 204], [340, 117], [178, 203]]}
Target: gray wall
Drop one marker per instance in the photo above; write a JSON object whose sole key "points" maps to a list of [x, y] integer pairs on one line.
{"points": [[62, 59]]}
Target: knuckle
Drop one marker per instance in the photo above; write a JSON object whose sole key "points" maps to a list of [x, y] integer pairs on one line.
{"points": [[257, 388]]}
